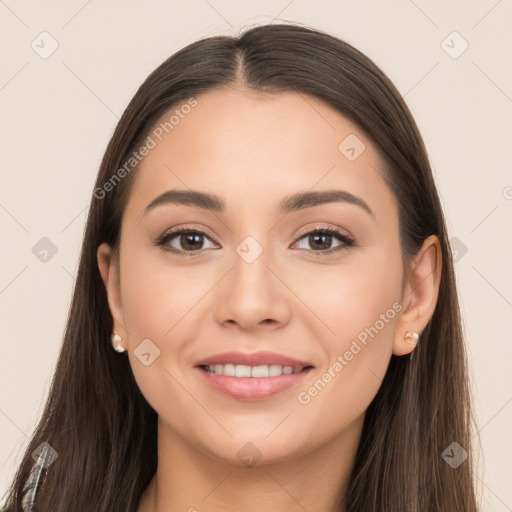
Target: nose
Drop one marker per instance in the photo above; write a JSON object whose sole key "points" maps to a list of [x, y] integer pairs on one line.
{"points": [[252, 295]]}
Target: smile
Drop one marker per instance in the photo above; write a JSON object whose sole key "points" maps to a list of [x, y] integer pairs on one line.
{"points": [[258, 372]]}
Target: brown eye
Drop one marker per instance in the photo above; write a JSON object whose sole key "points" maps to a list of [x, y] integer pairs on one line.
{"points": [[190, 241], [183, 240], [321, 240]]}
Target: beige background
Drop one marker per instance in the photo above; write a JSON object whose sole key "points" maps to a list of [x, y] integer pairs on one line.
{"points": [[57, 115]]}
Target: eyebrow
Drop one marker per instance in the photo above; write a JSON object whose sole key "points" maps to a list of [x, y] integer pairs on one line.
{"points": [[293, 203]]}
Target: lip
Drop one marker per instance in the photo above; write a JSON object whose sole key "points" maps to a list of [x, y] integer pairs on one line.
{"points": [[254, 359], [252, 388]]}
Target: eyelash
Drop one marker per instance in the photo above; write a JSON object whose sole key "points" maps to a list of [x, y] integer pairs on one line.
{"points": [[346, 240]]}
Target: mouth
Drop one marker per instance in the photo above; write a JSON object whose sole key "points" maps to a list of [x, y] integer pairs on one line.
{"points": [[254, 372], [251, 377]]}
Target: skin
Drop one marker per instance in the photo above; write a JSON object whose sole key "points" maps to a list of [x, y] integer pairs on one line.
{"points": [[252, 150]]}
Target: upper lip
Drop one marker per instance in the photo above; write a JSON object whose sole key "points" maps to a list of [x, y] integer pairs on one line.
{"points": [[254, 359]]}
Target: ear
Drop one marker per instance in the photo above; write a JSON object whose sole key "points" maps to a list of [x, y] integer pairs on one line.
{"points": [[109, 270], [419, 299]]}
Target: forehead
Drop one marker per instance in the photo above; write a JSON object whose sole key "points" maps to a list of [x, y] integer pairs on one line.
{"points": [[255, 148]]}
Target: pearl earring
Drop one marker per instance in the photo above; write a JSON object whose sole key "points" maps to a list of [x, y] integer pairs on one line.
{"points": [[411, 338], [116, 343]]}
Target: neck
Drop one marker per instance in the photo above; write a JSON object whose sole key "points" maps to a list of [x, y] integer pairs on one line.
{"points": [[188, 479]]}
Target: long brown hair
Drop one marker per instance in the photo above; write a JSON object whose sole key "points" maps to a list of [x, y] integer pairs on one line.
{"points": [[95, 417]]}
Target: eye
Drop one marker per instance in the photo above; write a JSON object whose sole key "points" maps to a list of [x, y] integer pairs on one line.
{"points": [[320, 240], [189, 241]]}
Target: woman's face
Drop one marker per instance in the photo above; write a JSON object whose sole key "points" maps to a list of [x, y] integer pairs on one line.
{"points": [[258, 280]]}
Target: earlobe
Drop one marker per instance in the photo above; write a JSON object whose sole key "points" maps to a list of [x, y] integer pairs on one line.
{"points": [[420, 296], [108, 268]]}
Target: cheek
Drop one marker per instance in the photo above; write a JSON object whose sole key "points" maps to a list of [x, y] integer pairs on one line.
{"points": [[344, 301], [358, 306], [158, 296], [161, 301], [157, 303]]}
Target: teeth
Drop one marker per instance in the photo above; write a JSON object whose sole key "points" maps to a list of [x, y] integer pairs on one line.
{"points": [[242, 370], [229, 369], [259, 371], [275, 370]]}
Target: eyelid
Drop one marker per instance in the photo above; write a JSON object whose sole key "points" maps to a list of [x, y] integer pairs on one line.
{"points": [[308, 229], [188, 227]]}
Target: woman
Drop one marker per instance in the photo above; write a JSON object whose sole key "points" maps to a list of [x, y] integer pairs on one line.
{"points": [[265, 252]]}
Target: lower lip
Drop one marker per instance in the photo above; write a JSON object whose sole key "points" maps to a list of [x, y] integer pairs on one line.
{"points": [[252, 388]]}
